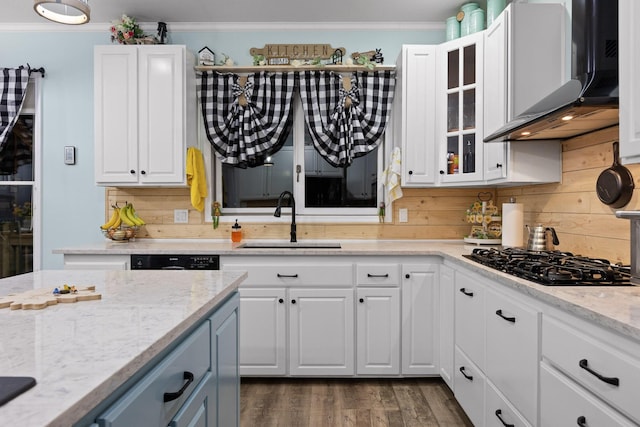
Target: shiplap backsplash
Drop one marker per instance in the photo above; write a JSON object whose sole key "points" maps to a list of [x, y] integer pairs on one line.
{"points": [[584, 225]]}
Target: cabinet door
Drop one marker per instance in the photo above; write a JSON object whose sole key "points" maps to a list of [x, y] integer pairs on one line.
{"points": [[470, 388], [161, 114], [116, 114], [446, 315], [460, 154], [378, 331], [224, 363], [263, 331], [512, 351], [629, 11], [321, 325], [495, 94], [419, 319], [418, 114], [469, 317]]}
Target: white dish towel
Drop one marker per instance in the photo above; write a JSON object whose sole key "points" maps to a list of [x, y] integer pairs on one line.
{"points": [[391, 176]]}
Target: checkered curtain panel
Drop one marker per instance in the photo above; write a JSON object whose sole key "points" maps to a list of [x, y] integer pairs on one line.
{"points": [[340, 133], [244, 135], [13, 87]]}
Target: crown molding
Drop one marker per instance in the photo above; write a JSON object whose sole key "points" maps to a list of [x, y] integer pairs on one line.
{"points": [[47, 27]]}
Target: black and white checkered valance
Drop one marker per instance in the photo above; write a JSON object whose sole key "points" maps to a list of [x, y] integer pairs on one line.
{"points": [[245, 133], [13, 88], [342, 134]]}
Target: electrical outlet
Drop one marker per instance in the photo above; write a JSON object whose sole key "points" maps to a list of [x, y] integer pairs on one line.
{"points": [[403, 215], [180, 216]]}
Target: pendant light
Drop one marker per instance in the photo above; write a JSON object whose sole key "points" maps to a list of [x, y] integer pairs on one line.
{"points": [[72, 12]]}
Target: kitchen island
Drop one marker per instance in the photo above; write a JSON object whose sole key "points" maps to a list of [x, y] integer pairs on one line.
{"points": [[85, 355]]}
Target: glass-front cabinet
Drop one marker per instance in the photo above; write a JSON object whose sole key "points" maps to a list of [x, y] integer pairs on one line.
{"points": [[459, 151]]}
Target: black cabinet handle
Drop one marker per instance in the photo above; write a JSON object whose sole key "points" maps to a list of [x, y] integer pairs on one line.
{"points": [[132, 171], [582, 421], [499, 415], [498, 165], [410, 172], [464, 374], [406, 276], [609, 380], [188, 377], [280, 300], [361, 300], [287, 275], [143, 172], [441, 172], [507, 318], [293, 301], [467, 293], [377, 275]]}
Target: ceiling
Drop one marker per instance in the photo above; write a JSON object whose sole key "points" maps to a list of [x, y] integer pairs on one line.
{"points": [[259, 11]]}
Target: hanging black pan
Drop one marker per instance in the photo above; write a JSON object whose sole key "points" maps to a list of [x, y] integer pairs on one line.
{"points": [[615, 185]]}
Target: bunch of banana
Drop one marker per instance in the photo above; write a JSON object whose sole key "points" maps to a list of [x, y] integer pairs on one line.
{"points": [[130, 217], [114, 221]]}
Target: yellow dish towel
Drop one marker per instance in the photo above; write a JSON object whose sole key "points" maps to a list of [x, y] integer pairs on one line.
{"points": [[196, 178]]}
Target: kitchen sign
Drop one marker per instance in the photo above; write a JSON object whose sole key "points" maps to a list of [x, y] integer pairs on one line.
{"points": [[282, 54]]}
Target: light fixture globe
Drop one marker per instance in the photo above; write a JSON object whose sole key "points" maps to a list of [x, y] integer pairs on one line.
{"points": [[72, 12]]}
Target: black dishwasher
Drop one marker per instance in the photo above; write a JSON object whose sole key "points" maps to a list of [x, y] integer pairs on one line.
{"points": [[175, 262]]}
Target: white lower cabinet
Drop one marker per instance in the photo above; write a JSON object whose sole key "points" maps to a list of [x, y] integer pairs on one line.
{"points": [[97, 262], [470, 382], [419, 319], [512, 350], [499, 412], [564, 403], [446, 331], [321, 332], [263, 331], [378, 331]]}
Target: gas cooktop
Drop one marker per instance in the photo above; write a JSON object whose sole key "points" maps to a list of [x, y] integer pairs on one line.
{"points": [[553, 268]]}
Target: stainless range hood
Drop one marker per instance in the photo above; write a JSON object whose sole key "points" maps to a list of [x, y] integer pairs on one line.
{"points": [[587, 102]]}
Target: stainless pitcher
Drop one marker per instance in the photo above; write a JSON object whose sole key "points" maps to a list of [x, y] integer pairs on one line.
{"points": [[538, 240]]}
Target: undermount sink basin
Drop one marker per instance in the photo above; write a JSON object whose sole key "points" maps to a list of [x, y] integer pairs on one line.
{"points": [[290, 245]]}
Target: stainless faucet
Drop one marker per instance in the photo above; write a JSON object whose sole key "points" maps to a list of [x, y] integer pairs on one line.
{"points": [[292, 203]]}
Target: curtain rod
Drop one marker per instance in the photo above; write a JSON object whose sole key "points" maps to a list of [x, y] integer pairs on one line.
{"points": [[257, 68], [34, 70]]}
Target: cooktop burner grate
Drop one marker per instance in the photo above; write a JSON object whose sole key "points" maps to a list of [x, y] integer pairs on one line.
{"points": [[553, 268]]}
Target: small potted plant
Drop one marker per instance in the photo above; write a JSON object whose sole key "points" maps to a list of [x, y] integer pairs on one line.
{"points": [[126, 31]]}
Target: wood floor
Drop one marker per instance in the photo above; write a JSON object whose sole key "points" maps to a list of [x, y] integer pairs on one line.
{"points": [[348, 402]]}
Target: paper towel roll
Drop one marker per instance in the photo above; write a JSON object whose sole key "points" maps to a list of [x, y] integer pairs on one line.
{"points": [[512, 225]]}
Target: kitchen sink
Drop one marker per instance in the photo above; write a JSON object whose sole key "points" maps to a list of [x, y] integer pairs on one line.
{"points": [[290, 245]]}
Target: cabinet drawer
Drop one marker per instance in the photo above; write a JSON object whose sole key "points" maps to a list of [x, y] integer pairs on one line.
{"points": [[614, 376], [143, 404], [469, 387], [563, 403], [339, 275], [499, 412], [469, 317], [512, 351], [378, 274]]}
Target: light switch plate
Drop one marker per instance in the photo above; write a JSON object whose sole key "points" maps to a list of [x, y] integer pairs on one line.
{"points": [[69, 155], [403, 215], [180, 216]]}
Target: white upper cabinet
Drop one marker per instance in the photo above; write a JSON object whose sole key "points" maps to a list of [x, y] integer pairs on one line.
{"points": [[459, 105], [144, 114], [415, 108], [629, 69], [524, 61]]}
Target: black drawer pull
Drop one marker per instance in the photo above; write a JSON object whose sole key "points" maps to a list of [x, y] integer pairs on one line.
{"points": [[188, 377], [582, 421], [361, 300], [467, 293], [609, 380], [507, 318], [499, 415], [377, 275], [293, 301], [407, 276], [464, 374], [288, 275], [280, 300]]}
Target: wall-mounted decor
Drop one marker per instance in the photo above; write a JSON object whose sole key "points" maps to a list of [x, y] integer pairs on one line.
{"points": [[283, 54]]}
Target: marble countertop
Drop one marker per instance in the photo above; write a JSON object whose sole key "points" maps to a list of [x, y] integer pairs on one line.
{"points": [[80, 353], [616, 308]]}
